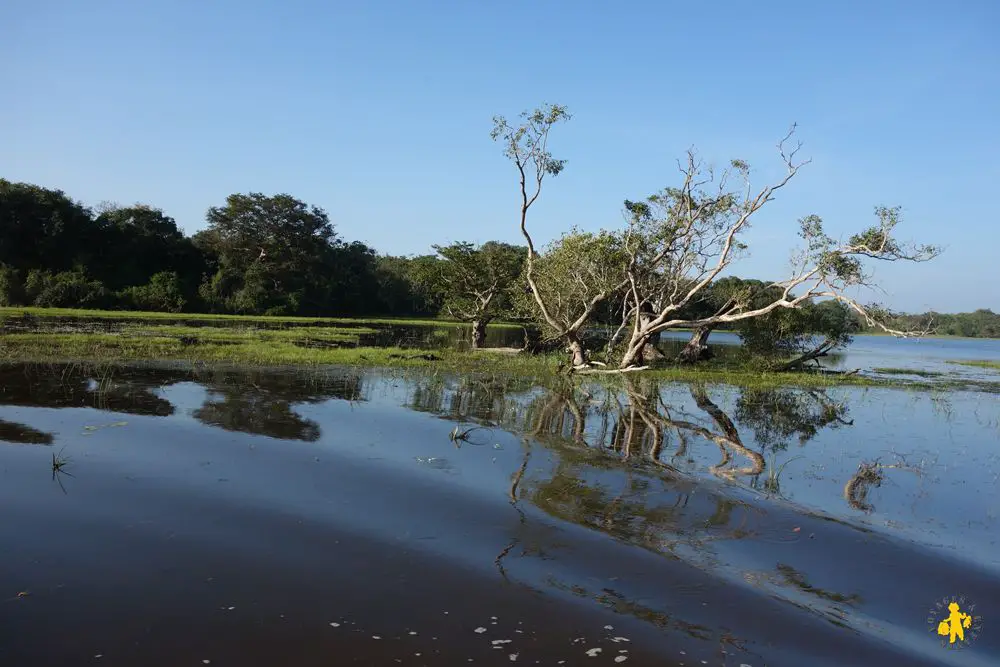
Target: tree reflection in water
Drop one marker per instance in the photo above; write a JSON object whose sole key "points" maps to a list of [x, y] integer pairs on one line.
{"points": [[616, 444]]}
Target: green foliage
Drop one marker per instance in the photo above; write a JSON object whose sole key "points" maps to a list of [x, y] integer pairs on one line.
{"points": [[69, 288], [576, 271], [526, 144], [786, 331], [841, 264], [408, 285], [40, 227], [11, 287], [273, 255], [476, 283], [982, 323], [162, 293]]}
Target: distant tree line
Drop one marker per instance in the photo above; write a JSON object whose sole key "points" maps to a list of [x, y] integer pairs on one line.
{"points": [[982, 323], [259, 255]]}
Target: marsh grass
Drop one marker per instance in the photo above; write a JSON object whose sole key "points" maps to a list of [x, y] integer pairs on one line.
{"points": [[978, 363], [77, 313], [252, 349], [773, 482], [908, 371], [314, 346], [59, 464]]}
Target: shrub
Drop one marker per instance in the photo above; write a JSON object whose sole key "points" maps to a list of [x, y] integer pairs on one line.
{"points": [[69, 289], [11, 287], [162, 293]]}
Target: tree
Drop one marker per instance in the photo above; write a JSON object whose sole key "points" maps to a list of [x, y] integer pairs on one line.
{"points": [[682, 239], [714, 298], [45, 229], [11, 287], [68, 289], [407, 285], [476, 282], [576, 273], [162, 293], [351, 280], [144, 241], [275, 254], [526, 145], [811, 331]]}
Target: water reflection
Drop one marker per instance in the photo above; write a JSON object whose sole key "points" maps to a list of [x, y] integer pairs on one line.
{"points": [[21, 434], [262, 403], [111, 388]]}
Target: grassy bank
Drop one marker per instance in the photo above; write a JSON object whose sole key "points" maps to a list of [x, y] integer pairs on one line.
{"points": [[135, 337], [291, 347], [252, 348], [978, 363], [78, 314]]}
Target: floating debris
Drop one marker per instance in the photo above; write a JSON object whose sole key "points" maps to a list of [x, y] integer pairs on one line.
{"points": [[497, 642], [376, 637], [592, 652], [621, 658], [513, 656], [480, 630], [87, 430], [335, 625], [618, 640], [609, 627]]}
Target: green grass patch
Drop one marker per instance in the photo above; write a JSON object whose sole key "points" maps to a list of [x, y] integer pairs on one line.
{"points": [[249, 334], [250, 350], [908, 371], [752, 378], [78, 313], [138, 341], [978, 363]]}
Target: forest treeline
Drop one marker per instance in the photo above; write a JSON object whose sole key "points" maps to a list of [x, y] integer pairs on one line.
{"points": [[981, 323], [269, 255]]}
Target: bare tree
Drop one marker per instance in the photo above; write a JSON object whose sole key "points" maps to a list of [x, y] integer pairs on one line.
{"points": [[682, 239], [526, 145]]}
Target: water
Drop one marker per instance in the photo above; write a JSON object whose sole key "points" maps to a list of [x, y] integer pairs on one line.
{"points": [[931, 356], [281, 517]]}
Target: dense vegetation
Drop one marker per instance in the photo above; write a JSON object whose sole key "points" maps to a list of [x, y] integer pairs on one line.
{"points": [[258, 255]]}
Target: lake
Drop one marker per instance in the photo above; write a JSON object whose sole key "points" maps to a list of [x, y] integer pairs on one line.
{"points": [[195, 515]]}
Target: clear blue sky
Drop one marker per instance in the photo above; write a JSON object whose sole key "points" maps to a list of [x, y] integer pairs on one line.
{"points": [[379, 112]]}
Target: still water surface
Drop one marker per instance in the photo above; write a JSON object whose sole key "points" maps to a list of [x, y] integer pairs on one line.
{"points": [[282, 517]]}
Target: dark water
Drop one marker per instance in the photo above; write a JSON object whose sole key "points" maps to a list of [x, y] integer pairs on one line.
{"points": [[275, 517]]}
